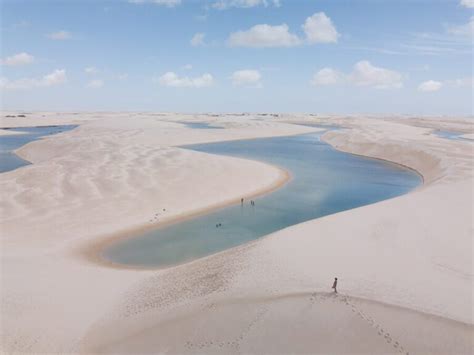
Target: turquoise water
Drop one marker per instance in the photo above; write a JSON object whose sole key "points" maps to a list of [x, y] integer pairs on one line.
{"points": [[8, 159], [324, 181]]}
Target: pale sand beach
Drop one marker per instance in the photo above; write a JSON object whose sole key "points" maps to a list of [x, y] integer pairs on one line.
{"points": [[404, 265]]}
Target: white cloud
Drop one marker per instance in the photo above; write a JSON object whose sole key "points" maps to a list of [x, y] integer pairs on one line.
{"points": [[60, 36], [122, 76], [467, 3], [167, 3], [327, 76], [365, 74], [18, 59], [226, 4], [172, 79], [320, 29], [57, 77], [463, 30], [198, 39], [264, 36], [247, 77], [187, 67], [91, 70], [430, 86]]}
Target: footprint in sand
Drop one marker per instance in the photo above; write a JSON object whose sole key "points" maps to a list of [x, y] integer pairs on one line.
{"points": [[379, 329]]}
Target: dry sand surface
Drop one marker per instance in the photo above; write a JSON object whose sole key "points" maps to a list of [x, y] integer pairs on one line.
{"points": [[405, 264]]}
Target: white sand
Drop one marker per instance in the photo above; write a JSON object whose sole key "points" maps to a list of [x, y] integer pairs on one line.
{"points": [[111, 176]]}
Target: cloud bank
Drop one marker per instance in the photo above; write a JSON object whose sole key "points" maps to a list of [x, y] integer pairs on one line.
{"points": [[430, 86], [18, 59], [363, 74], [260, 36], [57, 77], [318, 28], [172, 79]]}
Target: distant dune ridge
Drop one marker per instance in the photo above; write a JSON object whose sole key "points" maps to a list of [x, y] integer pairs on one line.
{"points": [[404, 265]]}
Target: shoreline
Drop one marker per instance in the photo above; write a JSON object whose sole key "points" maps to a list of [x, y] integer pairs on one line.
{"points": [[93, 253], [420, 175]]}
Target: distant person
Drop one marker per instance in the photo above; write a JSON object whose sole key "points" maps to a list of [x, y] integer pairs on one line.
{"points": [[241, 201], [334, 285]]}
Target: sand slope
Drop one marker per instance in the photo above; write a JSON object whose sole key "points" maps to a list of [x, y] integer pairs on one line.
{"points": [[114, 173]]}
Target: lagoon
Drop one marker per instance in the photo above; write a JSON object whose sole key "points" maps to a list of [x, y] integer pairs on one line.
{"points": [[452, 135], [324, 181], [8, 143]]}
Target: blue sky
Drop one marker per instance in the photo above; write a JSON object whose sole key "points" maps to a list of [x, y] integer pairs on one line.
{"points": [[321, 56]]}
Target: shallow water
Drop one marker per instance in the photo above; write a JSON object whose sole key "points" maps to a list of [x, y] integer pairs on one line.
{"points": [[324, 181], [452, 135], [199, 125], [11, 161]]}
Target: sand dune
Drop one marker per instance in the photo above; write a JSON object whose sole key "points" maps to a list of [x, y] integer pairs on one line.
{"points": [[405, 265]]}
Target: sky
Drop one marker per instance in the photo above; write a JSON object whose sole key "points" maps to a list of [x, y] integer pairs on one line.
{"points": [[314, 56]]}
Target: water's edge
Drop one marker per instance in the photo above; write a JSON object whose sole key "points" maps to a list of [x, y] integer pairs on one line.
{"points": [[99, 250], [9, 144]]}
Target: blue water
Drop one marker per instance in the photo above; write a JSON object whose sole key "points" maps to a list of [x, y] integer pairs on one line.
{"points": [[324, 181], [8, 159], [452, 135], [199, 125]]}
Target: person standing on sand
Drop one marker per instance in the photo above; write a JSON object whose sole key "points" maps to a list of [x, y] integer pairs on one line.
{"points": [[334, 285]]}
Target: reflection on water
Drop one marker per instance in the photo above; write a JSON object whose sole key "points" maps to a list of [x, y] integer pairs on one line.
{"points": [[325, 181], [8, 159]]}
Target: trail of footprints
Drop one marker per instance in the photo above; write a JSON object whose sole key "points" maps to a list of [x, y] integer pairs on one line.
{"points": [[235, 343], [380, 331]]}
